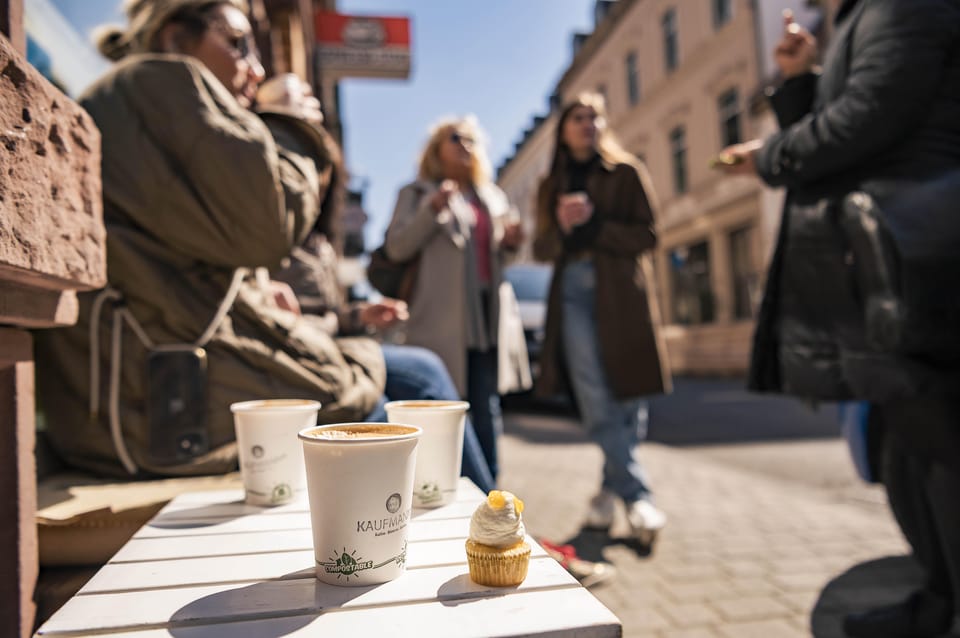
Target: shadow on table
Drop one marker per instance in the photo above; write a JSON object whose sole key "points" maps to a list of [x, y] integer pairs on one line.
{"points": [[870, 584], [207, 515], [283, 605], [460, 590]]}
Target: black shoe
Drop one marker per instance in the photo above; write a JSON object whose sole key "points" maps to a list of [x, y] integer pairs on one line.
{"points": [[922, 615]]}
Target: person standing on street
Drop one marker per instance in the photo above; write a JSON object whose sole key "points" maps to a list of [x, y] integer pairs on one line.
{"points": [[866, 136], [595, 223], [458, 222]]}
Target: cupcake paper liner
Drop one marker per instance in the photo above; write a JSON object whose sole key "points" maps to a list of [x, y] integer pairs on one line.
{"points": [[498, 567]]}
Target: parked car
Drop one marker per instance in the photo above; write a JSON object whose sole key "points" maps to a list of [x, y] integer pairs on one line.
{"points": [[531, 284]]}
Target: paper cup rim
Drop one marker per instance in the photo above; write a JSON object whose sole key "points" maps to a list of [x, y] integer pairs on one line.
{"points": [[279, 405], [413, 433], [434, 405]]}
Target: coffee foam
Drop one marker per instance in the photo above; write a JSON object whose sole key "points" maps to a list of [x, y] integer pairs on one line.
{"points": [[427, 405], [360, 431]]}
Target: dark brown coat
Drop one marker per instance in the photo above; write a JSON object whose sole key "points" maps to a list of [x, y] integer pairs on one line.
{"points": [[628, 316]]}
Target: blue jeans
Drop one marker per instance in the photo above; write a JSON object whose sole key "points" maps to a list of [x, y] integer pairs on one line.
{"points": [[485, 403], [617, 426], [418, 373]]}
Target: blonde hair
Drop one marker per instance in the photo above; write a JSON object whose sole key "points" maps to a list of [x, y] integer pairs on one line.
{"points": [[430, 166], [145, 20], [608, 147]]}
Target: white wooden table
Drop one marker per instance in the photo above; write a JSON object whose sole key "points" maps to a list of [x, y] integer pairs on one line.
{"points": [[210, 565]]}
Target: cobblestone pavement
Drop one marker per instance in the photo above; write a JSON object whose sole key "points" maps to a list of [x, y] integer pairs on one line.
{"points": [[745, 553]]}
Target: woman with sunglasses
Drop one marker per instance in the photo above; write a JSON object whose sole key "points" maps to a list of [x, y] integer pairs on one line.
{"points": [[198, 190], [457, 220], [595, 223]]}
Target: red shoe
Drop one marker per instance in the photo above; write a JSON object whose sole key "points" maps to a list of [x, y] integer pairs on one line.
{"points": [[587, 572]]}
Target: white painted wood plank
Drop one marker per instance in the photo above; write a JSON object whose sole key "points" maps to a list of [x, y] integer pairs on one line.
{"points": [[226, 508], [252, 567], [198, 526], [569, 611], [249, 601], [165, 548], [232, 503], [157, 547], [458, 509], [177, 511], [178, 530]]}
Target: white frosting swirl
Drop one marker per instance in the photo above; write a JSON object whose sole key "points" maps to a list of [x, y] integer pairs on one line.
{"points": [[501, 527]]}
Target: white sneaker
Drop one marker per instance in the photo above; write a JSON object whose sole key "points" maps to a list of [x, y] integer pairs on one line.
{"points": [[646, 520], [602, 508]]}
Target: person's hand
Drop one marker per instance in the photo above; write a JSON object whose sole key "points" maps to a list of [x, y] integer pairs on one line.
{"points": [[289, 93], [739, 159], [441, 198], [512, 235], [284, 296], [573, 209], [796, 53], [384, 314]]}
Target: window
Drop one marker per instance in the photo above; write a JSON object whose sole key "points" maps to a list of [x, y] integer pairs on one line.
{"points": [[722, 12], [728, 106], [670, 52], [745, 280], [678, 153], [690, 280], [633, 78]]}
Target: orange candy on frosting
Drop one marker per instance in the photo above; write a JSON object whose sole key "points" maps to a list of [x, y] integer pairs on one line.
{"points": [[497, 499]]}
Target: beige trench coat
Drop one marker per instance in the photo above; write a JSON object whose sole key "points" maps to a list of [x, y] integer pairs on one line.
{"points": [[442, 302]]}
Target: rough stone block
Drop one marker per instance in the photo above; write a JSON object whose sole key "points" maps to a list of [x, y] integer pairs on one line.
{"points": [[51, 211]]}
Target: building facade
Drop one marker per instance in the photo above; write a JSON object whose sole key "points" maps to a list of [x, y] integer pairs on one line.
{"points": [[680, 80]]}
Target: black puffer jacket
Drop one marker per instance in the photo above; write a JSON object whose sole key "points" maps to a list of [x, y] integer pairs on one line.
{"points": [[881, 118]]}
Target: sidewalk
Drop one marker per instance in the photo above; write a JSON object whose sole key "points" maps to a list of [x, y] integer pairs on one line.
{"points": [[745, 554]]}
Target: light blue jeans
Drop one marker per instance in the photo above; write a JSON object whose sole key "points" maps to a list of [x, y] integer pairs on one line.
{"points": [[617, 426]]}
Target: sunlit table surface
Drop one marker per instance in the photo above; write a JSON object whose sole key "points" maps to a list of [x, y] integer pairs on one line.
{"points": [[210, 565]]}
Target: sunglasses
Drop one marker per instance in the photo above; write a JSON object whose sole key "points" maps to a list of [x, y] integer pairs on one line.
{"points": [[241, 43], [460, 138]]}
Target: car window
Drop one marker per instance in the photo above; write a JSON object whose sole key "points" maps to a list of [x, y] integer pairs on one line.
{"points": [[529, 284]]}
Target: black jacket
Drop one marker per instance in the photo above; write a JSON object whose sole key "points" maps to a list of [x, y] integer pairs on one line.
{"points": [[880, 118]]}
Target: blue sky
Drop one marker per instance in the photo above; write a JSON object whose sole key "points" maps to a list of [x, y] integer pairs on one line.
{"points": [[497, 59]]}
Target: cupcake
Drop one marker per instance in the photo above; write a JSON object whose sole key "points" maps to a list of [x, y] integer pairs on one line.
{"points": [[497, 551]]}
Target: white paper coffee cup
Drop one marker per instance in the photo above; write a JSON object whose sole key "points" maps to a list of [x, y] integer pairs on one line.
{"points": [[360, 485], [440, 451], [271, 462]]}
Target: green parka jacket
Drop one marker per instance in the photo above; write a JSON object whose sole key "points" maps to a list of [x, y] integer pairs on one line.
{"points": [[195, 186]]}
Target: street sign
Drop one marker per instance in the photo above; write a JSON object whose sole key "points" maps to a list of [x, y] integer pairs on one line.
{"points": [[362, 46]]}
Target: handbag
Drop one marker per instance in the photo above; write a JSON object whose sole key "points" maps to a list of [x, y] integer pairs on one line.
{"points": [[394, 279], [906, 267]]}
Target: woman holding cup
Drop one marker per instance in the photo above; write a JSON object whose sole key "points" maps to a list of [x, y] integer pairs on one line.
{"points": [[456, 219], [595, 222]]}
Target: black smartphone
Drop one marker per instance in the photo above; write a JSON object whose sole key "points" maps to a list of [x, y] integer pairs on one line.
{"points": [[177, 404]]}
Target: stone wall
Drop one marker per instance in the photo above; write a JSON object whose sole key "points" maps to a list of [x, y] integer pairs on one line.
{"points": [[51, 228]]}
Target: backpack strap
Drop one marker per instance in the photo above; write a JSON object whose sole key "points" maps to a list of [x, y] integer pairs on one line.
{"points": [[121, 315]]}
